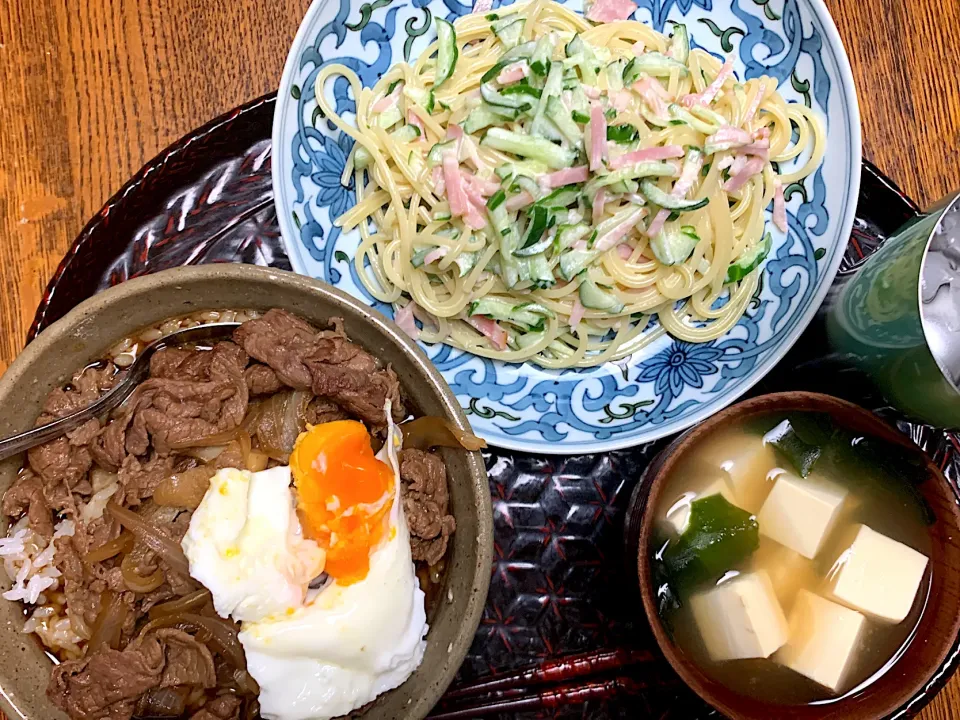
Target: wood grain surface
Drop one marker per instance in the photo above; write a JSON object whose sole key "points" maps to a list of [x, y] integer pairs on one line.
{"points": [[92, 89]]}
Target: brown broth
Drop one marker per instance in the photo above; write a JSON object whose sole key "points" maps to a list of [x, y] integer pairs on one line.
{"points": [[886, 507]]}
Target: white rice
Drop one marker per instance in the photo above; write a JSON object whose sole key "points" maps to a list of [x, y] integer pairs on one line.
{"points": [[30, 561]]}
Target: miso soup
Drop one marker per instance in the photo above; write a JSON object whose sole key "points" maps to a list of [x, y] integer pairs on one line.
{"points": [[792, 557]]}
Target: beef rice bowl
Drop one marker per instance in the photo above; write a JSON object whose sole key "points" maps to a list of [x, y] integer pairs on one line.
{"points": [[193, 554]]}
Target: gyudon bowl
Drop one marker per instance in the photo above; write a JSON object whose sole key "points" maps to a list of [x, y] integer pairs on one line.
{"points": [[455, 579]]}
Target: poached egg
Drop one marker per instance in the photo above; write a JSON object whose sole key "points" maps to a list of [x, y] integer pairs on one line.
{"points": [[322, 652]]}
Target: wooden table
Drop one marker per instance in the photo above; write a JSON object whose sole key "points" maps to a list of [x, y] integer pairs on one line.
{"points": [[91, 89]]}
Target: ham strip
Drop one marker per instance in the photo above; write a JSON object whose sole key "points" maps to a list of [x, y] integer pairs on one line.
{"points": [[404, 320], [753, 166], [779, 207], [598, 136], [599, 200], [664, 152], [603, 11], [707, 96], [567, 176], [576, 314], [489, 328]]}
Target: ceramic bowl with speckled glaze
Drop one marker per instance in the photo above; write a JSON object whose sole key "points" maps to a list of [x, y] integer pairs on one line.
{"points": [[87, 332]]}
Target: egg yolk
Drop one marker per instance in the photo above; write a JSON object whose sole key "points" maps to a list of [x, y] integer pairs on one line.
{"points": [[343, 495]]}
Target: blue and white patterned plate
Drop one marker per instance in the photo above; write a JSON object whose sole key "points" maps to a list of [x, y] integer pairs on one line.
{"points": [[670, 385]]}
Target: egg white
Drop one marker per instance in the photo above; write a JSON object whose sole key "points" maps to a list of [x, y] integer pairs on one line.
{"points": [[245, 545]]}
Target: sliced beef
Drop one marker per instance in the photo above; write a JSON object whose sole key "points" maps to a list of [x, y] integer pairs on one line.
{"points": [[282, 341], [322, 361], [108, 683], [81, 585], [26, 496], [224, 707], [322, 410], [261, 380], [86, 387], [188, 662], [139, 479], [352, 378], [207, 395], [425, 504]]}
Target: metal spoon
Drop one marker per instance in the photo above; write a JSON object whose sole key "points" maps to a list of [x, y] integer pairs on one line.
{"points": [[136, 374]]}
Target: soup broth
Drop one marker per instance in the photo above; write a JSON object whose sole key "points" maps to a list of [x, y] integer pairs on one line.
{"points": [[792, 557]]}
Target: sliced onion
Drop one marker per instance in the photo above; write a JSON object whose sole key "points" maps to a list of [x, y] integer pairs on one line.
{"points": [[205, 454], [137, 582], [221, 438], [185, 489], [245, 682], [246, 445], [426, 432], [220, 635], [277, 421], [122, 543], [187, 603], [109, 623], [257, 461], [151, 536]]}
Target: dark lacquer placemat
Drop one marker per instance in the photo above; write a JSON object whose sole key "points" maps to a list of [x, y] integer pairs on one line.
{"points": [[560, 583]]}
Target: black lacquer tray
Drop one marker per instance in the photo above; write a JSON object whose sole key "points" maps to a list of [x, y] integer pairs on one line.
{"points": [[559, 583]]}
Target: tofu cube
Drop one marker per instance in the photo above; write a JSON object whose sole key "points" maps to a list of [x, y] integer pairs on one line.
{"points": [[801, 512], [747, 463], [824, 637], [877, 576], [789, 571], [679, 513], [740, 618]]}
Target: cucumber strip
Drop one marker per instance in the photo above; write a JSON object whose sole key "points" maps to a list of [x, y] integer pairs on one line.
{"points": [[578, 101], [435, 156], [482, 117], [559, 116], [708, 115], [527, 339], [522, 88], [492, 96], [466, 261], [509, 30], [576, 46], [673, 245], [681, 113], [750, 261], [657, 64], [591, 296], [579, 117], [668, 201], [567, 235], [506, 113], [551, 88], [520, 52], [525, 182], [680, 43], [407, 133], [496, 199], [632, 172], [573, 262], [615, 75], [622, 134], [539, 223], [560, 198], [537, 270], [540, 59], [539, 149], [389, 118], [361, 157], [441, 215], [447, 52]]}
